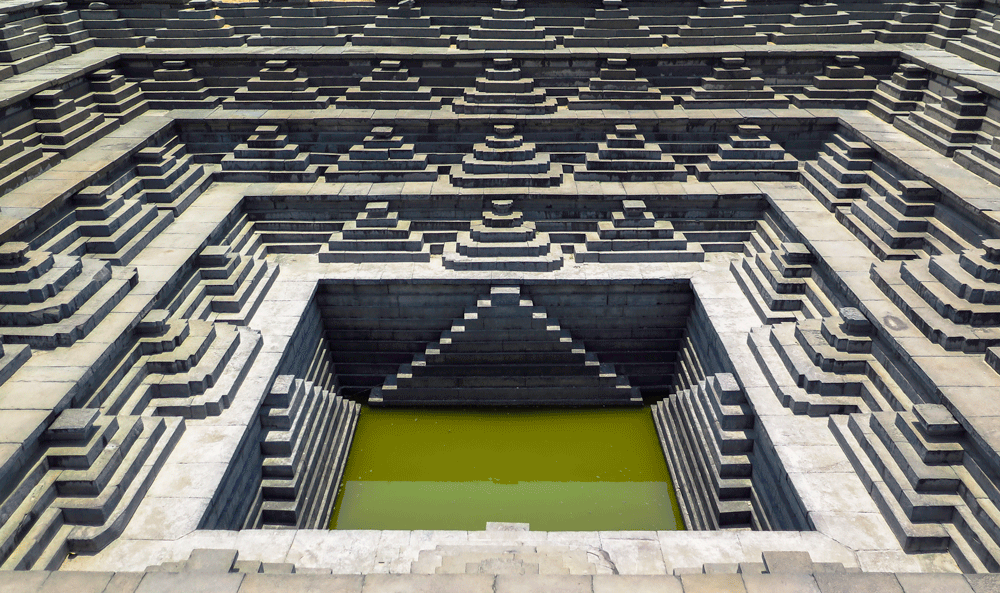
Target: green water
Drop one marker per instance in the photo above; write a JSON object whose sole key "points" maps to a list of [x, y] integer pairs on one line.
{"points": [[557, 469]]}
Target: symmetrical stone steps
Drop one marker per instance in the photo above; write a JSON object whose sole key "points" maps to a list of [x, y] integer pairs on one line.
{"points": [[67, 125], [26, 45], [950, 298], [707, 437], [307, 435], [176, 86], [267, 156], [112, 95], [919, 474], [824, 367], [950, 126], [376, 234], [900, 95], [503, 332], [776, 277], [840, 172], [897, 220], [749, 156], [50, 301], [84, 489], [633, 235]]}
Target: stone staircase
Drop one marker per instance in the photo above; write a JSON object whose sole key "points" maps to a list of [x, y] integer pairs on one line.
{"points": [[715, 24], [634, 235], [929, 486], [821, 23], [507, 27], [777, 278], [901, 95], [844, 85], [307, 435], [51, 300], [706, 431], [953, 125], [749, 156], [619, 86], [175, 85], [277, 86], [898, 220], [268, 156], [949, 297], [111, 222], [612, 26], [505, 90], [505, 160], [403, 26], [66, 127], [471, 362], [198, 25], [376, 235], [383, 156], [626, 156], [840, 174], [733, 85], [297, 26], [389, 86], [84, 488], [822, 367], [502, 240]]}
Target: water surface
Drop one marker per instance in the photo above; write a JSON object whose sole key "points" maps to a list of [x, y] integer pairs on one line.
{"points": [[557, 469]]}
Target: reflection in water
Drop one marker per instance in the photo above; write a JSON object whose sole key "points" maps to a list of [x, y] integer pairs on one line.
{"points": [[557, 469]]}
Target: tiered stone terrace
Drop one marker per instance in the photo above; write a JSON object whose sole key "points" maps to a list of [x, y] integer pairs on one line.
{"points": [[226, 226]]}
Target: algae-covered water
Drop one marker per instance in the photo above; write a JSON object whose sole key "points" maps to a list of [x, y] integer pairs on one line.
{"points": [[557, 469]]}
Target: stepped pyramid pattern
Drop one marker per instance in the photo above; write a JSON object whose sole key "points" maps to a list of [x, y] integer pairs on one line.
{"points": [[502, 240], [278, 86], [382, 156], [634, 234], [227, 227], [619, 87], [376, 234], [502, 331], [507, 27], [733, 85], [626, 155], [390, 86], [505, 90], [506, 160]]}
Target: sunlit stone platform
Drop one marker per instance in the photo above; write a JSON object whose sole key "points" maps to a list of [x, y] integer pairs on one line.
{"points": [[227, 227]]}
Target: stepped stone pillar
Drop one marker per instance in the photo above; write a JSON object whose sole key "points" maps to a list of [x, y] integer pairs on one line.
{"points": [[634, 235], [505, 90], [626, 156], [733, 85], [749, 155], [506, 160], [619, 86], [502, 240], [376, 235]]}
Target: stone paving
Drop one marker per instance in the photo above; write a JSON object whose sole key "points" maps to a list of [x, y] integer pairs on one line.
{"points": [[226, 227]]}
